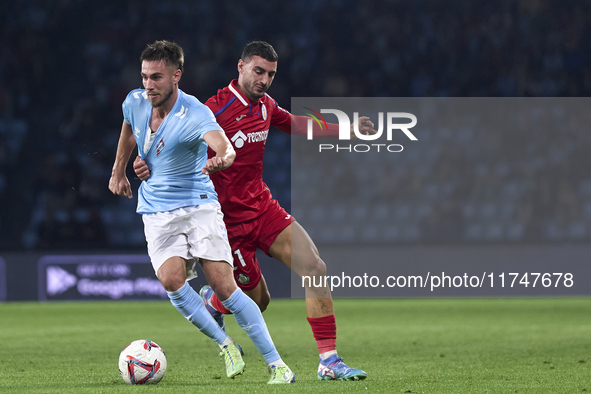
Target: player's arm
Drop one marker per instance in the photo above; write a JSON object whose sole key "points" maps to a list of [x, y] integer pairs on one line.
{"points": [[224, 152], [298, 125], [119, 184]]}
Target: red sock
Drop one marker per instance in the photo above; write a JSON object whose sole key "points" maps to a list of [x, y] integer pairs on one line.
{"points": [[217, 304], [325, 332]]}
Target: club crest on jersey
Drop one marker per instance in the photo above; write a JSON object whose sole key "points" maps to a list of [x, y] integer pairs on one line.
{"points": [[243, 278], [159, 147], [264, 111]]}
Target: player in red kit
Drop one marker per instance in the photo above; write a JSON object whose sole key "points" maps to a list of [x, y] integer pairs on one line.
{"points": [[253, 218]]}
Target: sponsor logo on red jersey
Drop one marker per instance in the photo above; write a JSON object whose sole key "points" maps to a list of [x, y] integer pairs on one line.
{"points": [[240, 138]]}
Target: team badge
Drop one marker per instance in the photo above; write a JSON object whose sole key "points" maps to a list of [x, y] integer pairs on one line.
{"points": [[243, 278], [264, 111], [159, 147]]}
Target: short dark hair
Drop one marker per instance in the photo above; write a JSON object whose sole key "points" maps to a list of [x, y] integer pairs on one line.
{"points": [[165, 50], [259, 48]]}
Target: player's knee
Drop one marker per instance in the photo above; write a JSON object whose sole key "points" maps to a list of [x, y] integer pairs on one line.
{"points": [[171, 282], [263, 302], [316, 267], [263, 306], [223, 289]]}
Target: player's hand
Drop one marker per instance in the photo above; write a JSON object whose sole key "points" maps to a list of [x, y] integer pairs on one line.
{"points": [[366, 127], [141, 168], [214, 164], [120, 186]]}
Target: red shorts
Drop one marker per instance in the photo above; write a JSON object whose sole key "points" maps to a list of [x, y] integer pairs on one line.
{"points": [[259, 233]]}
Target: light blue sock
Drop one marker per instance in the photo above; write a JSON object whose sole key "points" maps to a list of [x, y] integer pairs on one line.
{"points": [[189, 303], [249, 317]]}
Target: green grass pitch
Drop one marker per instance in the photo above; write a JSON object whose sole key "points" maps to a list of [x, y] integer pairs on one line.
{"points": [[405, 345]]}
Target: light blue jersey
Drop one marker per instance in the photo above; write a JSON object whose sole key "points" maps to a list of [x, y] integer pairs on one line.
{"points": [[177, 154]]}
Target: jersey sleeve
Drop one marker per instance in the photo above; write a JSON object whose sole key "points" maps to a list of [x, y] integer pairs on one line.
{"points": [[280, 118], [126, 110], [204, 122], [132, 101], [298, 125]]}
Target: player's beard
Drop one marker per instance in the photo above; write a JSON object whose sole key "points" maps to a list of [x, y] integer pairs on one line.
{"points": [[254, 93], [165, 96]]}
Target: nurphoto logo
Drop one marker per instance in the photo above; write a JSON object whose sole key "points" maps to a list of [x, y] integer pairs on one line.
{"points": [[345, 130]]}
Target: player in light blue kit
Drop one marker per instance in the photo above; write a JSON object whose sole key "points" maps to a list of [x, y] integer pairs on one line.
{"points": [[183, 221]]}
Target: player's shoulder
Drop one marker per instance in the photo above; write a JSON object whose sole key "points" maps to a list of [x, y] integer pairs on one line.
{"points": [[136, 100], [137, 94], [191, 107], [220, 99], [271, 102], [189, 101], [269, 99]]}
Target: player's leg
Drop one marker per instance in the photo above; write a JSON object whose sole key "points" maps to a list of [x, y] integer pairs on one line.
{"points": [[209, 241], [294, 248], [167, 247], [248, 316], [172, 275], [260, 294], [247, 273]]}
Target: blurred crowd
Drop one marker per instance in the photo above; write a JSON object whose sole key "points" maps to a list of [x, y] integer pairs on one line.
{"points": [[65, 69], [482, 170]]}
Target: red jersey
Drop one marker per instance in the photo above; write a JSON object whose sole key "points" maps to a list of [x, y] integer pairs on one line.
{"points": [[241, 191]]}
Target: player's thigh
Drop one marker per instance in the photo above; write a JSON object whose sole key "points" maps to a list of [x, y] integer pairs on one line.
{"points": [[274, 234], [206, 234], [167, 240]]}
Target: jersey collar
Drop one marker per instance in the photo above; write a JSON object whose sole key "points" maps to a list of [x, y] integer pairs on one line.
{"points": [[233, 86]]}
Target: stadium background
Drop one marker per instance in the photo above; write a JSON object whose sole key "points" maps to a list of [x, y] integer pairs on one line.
{"points": [[65, 70]]}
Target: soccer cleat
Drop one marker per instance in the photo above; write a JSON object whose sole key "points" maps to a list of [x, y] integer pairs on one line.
{"points": [[333, 368], [206, 293], [234, 363], [221, 352], [281, 375]]}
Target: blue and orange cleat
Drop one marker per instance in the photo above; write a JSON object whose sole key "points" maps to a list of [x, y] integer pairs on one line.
{"points": [[206, 293], [333, 368]]}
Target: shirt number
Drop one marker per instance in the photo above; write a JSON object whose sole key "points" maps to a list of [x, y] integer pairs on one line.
{"points": [[240, 258]]}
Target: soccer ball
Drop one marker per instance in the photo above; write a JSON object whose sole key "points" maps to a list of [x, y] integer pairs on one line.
{"points": [[142, 362]]}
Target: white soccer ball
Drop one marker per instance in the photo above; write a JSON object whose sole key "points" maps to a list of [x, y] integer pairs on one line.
{"points": [[142, 362]]}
